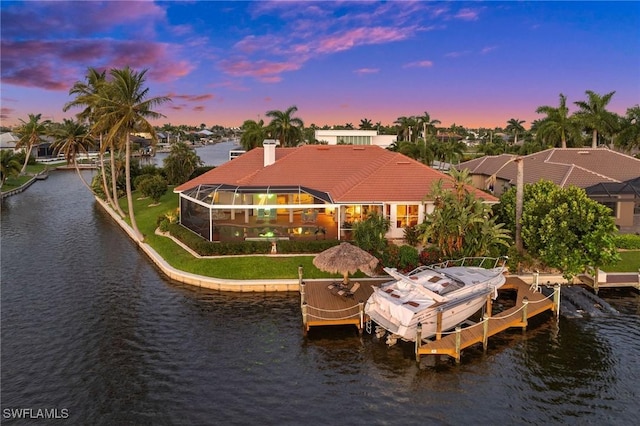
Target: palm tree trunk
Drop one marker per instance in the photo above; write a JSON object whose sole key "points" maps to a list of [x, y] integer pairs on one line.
{"points": [[127, 172], [519, 203], [75, 164], [114, 186], [105, 185], [594, 139], [27, 151]]}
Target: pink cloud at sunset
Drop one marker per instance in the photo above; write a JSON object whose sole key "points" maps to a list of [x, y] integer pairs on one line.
{"points": [[228, 61], [366, 70], [419, 64]]}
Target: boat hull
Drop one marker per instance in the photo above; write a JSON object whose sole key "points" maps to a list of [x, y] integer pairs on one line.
{"points": [[452, 314], [437, 298]]}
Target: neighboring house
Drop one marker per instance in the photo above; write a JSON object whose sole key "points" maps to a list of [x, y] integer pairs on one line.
{"points": [[623, 199], [354, 137], [8, 141], [313, 191], [42, 150], [581, 167]]}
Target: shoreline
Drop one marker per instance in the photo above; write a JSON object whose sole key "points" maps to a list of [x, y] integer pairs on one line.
{"points": [[221, 284]]}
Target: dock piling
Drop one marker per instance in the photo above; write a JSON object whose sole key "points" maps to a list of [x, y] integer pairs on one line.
{"points": [[525, 304], [556, 299], [418, 340], [305, 319], [485, 331], [458, 330]]}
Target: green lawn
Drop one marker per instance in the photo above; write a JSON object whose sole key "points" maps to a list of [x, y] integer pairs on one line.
{"points": [[241, 267], [254, 267], [16, 182], [630, 262]]}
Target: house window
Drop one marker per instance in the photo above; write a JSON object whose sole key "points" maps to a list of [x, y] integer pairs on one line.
{"points": [[613, 206], [355, 140], [406, 215]]}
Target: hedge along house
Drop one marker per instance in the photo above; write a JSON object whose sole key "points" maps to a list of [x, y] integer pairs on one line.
{"points": [[309, 192]]}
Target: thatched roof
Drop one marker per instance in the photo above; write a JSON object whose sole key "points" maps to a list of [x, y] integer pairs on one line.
{"points": [[345, 259]]}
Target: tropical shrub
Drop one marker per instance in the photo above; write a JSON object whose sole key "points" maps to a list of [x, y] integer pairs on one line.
{"points": [[369, 234], [152, 186], [627, 241], [411, 235], [431, 255], [562, 227], [461, 224], [408, 258], [390, 257], [209, 248]]}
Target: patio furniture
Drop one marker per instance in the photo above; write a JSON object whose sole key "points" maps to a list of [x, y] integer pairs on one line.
{"points": [[309, 217], [218, 215]]}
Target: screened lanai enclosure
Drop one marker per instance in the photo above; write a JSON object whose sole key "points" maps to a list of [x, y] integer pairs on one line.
{"points": [[239, 213]]}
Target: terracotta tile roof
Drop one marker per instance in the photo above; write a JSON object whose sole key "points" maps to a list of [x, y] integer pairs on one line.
{"points": [[580, 167], [349, 173]]}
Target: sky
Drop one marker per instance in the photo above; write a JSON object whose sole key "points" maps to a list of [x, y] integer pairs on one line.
{"points": [[473, 64]]}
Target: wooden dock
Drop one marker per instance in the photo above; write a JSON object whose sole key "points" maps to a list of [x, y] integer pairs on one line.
{"points": [[528, 304], [599, 279], [321, 307]]}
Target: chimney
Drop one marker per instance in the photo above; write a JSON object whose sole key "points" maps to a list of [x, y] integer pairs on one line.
{"points": [[269, 151]]}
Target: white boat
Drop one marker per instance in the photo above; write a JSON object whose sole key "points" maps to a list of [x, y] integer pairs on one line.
{"points": [[457, 289]]}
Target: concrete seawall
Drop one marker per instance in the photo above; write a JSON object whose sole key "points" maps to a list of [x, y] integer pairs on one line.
{"points": [[199, 280]]}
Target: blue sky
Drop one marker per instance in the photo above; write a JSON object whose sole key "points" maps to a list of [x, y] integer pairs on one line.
{"points": [[469, 63]]}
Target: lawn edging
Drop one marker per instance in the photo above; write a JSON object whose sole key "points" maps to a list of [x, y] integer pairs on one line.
{"points": [[250, 286]]}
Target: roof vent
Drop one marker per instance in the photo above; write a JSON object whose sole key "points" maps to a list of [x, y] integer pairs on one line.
{"points": [[584, 152], [403, 162], [358, 148]]}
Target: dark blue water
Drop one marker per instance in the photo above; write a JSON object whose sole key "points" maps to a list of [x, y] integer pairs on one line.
{"points": [[211, 155], [91, 327]]}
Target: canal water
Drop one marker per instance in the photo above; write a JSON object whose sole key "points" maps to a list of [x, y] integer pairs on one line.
{"points": [[92, 330], [211, 155]]}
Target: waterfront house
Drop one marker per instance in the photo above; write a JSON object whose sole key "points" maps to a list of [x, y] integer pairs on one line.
{"points": [[601, 171], [313, 191]]}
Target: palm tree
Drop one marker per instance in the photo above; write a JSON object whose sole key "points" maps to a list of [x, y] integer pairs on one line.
{"points": [[365, 124], [123, 108], [9, 165], [254, 133], [72, 138], [428, 125], [629, 135], [514, 126], [409, 149], [180, 164], [87, 96], [594, 116], [405, 125], [286, 128], [558, 124], [30, 133]]}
